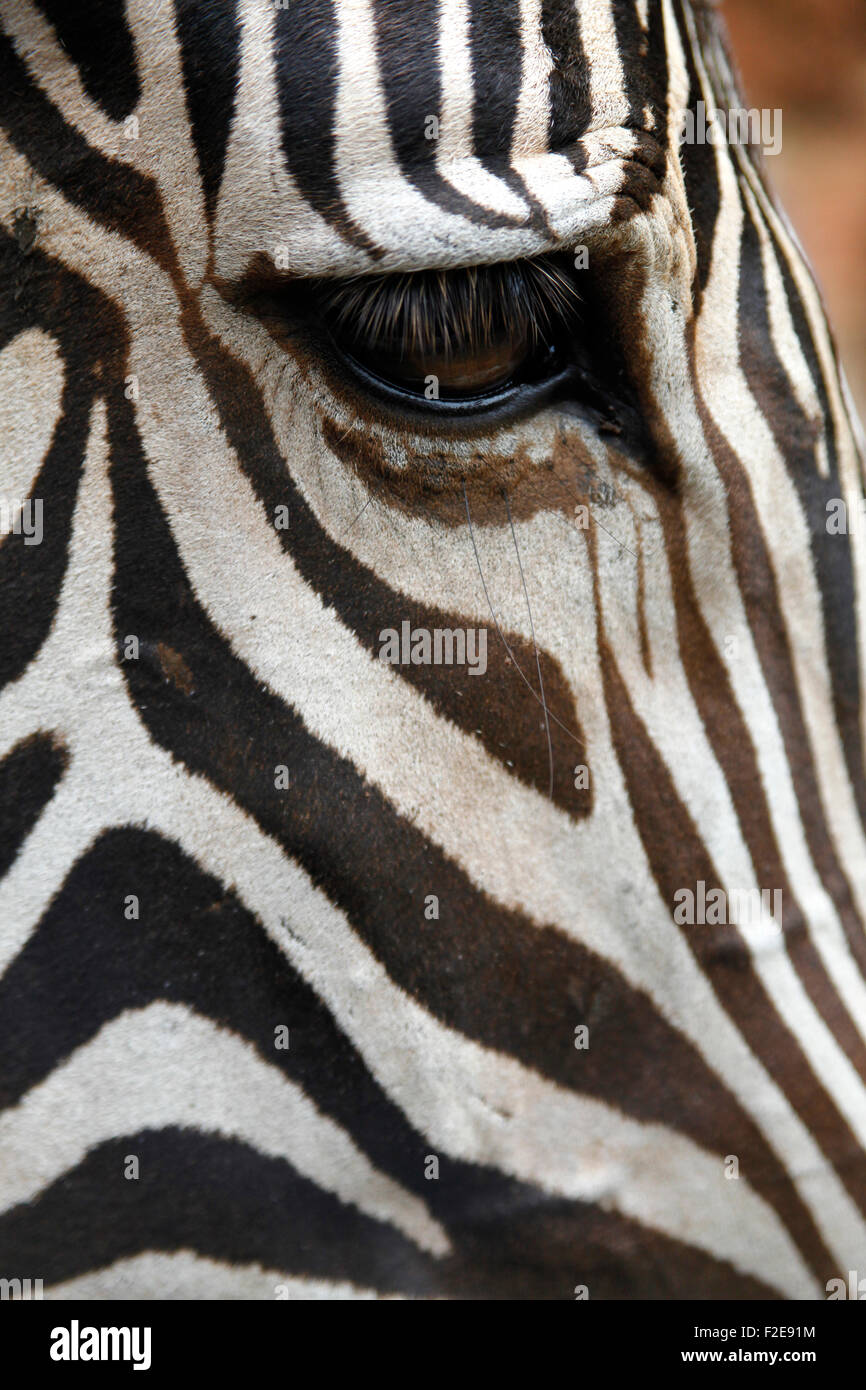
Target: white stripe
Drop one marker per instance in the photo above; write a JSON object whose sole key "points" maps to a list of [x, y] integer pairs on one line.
{"points": [[165, 1066], [785, 531], [164, 149], [784, 335], [260, 208], [607, 80], [158, 1275], [533, 106], [455, 154], [32, 376]]}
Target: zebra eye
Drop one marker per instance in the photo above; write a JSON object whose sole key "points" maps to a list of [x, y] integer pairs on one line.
{"points": [[459, 336]]}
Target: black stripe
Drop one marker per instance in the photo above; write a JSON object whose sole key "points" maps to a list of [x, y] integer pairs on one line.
{"points": [[210, 52], [210, 1194], [632, 48], [569, 87], [96, 36], [113, 194], [194, 943], [46, 296], [654, 68], [223, 1200], [700, 175], [831, 554], [800, 320], [407, 50], [496, 48], [497, 67], [29, 775], [796, 438], [307, 72]]}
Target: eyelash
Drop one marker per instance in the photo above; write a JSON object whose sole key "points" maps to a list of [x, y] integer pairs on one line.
{"points": [[446, 312]]}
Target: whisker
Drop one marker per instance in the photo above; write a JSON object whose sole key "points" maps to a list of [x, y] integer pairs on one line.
{"points": [[357, 518], [504, 640], [622, 545], [534, 642]]}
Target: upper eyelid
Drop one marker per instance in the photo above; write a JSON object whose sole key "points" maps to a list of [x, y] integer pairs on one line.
{"points": [[469, 305]]}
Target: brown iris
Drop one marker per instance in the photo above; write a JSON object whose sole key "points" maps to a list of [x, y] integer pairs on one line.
{"points": [[470, 331]]}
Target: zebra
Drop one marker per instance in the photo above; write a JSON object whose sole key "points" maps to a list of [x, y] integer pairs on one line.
{"points": [[329, 327]]}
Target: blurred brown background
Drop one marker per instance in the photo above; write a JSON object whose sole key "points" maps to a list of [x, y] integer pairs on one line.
{"points": [[809, 58]]}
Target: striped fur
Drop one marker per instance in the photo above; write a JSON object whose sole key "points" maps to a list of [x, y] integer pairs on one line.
{"points": [[700, 647]]}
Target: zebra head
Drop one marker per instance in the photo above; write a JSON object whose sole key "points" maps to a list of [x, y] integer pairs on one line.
{"points": [[432, 713]]}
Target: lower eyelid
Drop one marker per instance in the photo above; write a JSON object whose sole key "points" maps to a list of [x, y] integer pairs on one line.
{"points": [[394, 408]]}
